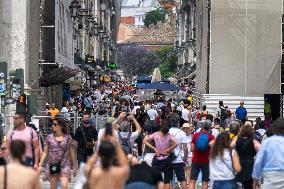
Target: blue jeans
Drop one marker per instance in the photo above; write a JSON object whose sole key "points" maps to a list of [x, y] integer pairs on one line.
{"points": [[224, 184], [139, 185]]}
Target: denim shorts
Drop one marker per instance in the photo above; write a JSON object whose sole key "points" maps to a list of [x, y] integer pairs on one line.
{"points": [[224, 184]]}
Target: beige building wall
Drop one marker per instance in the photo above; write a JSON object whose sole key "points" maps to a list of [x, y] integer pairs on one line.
{"points": [[245, 47]]}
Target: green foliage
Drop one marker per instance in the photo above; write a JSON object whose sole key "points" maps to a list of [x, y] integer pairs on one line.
{"points": [[153, 17], [168, 65]]}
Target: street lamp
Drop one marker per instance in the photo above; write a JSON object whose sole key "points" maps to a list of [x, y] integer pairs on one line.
{"points": [[84, 16], [101, 32], [96, 29], [74, 8], [91, 23]]}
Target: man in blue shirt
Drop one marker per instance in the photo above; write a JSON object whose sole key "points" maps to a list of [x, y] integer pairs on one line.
{"points": [[241, 112], [269, 162]]}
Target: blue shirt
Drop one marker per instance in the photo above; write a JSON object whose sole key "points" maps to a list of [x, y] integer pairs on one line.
{"points": [[270, 156], [241, 113]]}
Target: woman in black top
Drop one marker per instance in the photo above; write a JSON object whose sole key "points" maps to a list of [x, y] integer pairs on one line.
{"points": [[247, 148]]}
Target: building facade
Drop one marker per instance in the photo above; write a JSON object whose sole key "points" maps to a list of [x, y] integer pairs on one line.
{"points": [[239, 47], [185, 12]]}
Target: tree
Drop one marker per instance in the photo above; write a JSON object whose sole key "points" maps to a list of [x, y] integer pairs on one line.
{"points": [[168, 59], [153, 17], [136, 60]]}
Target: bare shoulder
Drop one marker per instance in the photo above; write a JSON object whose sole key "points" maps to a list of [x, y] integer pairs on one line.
{"points": [[123, 170]]}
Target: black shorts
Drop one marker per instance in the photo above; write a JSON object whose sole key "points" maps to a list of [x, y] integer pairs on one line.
{"points": [[196, 168], [179, 170]]}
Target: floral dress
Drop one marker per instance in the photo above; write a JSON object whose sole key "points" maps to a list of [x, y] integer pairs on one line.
{"points": [[59, 152]]}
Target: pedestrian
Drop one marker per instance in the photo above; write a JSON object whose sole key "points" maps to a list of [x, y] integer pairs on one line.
{"points": [[257, 123], [181, 152], [164, 146], [247, 147], [88, 102], [58, 155], [221, 113], [107, 175], [269, 162], [152, 113], [234, 129], [29, 136], [126, 136], [189, 130], [53, 111], [200, 146], [224, 163], [186, 115], [16, 174], [241, 112], [86, 138]]}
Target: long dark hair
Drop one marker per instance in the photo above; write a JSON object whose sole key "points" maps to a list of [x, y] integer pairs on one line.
{"points": [[221, 143], [62, 123], [165, 126], [106, 153], [17, 150]]}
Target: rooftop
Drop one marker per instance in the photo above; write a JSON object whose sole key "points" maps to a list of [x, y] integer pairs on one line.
{"points": [[162, 34]]}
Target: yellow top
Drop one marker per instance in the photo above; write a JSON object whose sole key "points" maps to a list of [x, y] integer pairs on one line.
{"points": [[54, 112]]}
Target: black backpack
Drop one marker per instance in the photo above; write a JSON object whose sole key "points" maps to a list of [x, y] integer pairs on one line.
{"points": [[125, 143], [224, 114]]}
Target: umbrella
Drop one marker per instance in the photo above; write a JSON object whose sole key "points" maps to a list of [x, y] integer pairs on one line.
{"points": [[161, 86]]}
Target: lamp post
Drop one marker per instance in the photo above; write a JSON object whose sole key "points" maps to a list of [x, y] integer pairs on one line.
{"points": [[74, 9], [84, 16]]}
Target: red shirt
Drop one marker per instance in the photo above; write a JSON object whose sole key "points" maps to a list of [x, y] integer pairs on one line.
{"points": [[199, 156]]}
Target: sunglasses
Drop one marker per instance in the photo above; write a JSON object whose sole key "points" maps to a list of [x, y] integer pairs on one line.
{"points": [[55, 124], [3, 149], [16, 118]]}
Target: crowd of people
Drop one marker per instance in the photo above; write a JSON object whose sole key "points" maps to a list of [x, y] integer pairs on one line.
{"points": [[153, 143]]}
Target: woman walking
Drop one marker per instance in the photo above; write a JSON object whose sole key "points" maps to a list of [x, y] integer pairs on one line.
{"points": [[247, 147], [57, 155], [164, 146], [224, 163]]}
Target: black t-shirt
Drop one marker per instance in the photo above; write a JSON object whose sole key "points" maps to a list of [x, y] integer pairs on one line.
{"points": [[144, 173], [91, 135]]}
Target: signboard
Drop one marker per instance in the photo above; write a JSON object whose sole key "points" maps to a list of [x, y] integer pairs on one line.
{"points": [[3, 78]]}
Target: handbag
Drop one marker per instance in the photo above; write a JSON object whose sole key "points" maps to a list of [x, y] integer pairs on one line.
{"points": [[89, 145], [55, 168]]}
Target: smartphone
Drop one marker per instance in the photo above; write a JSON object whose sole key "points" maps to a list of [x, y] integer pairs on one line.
{"points": [[108, 129]]}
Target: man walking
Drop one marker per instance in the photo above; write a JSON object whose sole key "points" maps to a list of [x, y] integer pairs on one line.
{"points": [[28, 136], [241, 112], [181, 151], [86, 138], [200, 147]]}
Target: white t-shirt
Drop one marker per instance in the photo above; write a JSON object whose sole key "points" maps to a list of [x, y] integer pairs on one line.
{"points": [[133, 137], [215, 132], [221, 168], [181, 138], [185, 114], [153, 114]]}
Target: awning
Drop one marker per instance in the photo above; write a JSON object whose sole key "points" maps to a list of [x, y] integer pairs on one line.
{"points": [[57, 76]]}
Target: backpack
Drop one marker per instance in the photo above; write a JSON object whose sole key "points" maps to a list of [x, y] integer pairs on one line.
{"points": [[224, 114], [125, 143], [202, 142]]}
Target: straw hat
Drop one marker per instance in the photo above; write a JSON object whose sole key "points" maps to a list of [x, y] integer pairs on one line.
{"points": [[187, 125]]}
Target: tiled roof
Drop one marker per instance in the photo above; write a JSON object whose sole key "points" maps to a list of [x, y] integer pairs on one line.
{"points": [[162, 33]]}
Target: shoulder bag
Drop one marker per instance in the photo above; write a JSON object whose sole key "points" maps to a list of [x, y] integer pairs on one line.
{"points": [[89, 145]]}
